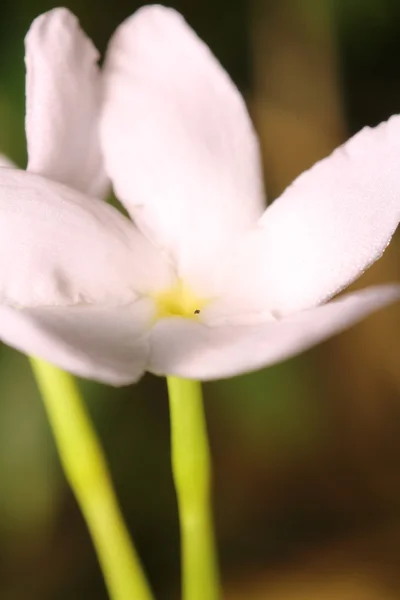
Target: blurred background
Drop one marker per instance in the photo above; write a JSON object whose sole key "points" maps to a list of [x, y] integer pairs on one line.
{"points": [[307, 453]]}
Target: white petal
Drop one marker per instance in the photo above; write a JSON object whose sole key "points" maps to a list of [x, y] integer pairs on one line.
{"points": [[178, 142], [331, 224], [193, 350], [6, 162], [58, 246], [62, 103], [109, 344]]}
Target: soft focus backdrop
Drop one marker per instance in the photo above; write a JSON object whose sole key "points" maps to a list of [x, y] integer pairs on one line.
{"points": [[306, 454]]}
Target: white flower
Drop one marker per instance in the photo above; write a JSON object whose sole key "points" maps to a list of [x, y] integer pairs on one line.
{"points": [[203, 283]]}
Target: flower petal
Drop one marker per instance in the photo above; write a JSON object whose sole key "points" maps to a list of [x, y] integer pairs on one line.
{"points": [[109, 344], [329, 226], [178, 143], [62, 103], [6, 162], [193, 350], [60, 247]]}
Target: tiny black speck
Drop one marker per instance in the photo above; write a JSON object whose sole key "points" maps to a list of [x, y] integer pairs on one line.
{"points": [[197, 312]]}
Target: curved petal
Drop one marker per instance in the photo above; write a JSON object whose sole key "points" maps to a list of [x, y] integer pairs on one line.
{"points": [[193, 350], [331, 224], [60, 247], [178, 142], [62, 103], [108, 344]]}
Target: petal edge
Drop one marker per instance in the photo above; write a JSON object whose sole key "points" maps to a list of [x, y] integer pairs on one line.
{"points": [[63, 103], [194, 351]]}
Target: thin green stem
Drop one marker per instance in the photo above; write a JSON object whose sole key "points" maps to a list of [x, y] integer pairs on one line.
{"points": [[192, 476], [86, 470]]}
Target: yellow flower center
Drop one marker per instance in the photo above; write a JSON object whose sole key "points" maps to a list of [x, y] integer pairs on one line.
{"points": [[178, 301]]}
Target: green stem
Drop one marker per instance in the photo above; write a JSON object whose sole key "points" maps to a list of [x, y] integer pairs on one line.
{"points": [[192, 476], [86, 470]]}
